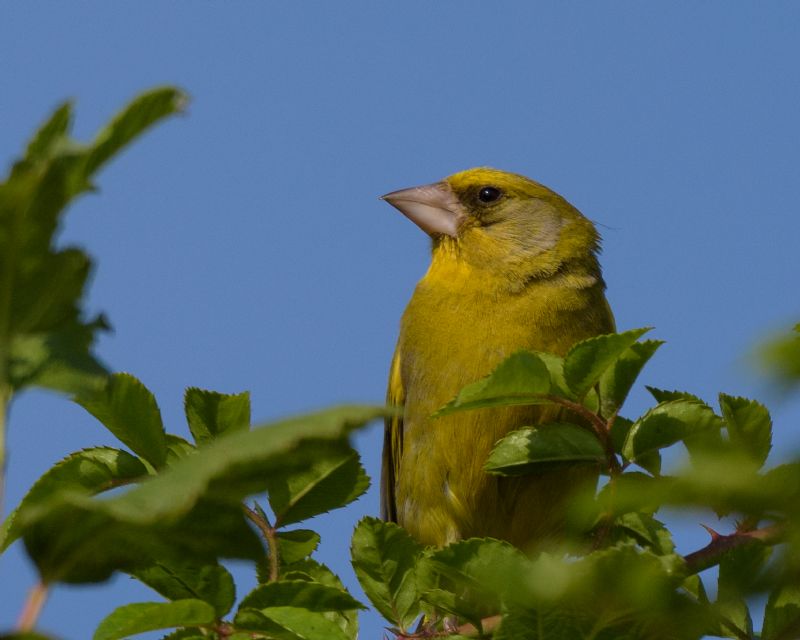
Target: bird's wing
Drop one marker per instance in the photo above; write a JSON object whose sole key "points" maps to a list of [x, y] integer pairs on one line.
{"points": [[392, 442]]}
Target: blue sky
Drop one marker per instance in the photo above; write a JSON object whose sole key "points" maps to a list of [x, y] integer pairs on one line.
{"points": [[243, 246]]}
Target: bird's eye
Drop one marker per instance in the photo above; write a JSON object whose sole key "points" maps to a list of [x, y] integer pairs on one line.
{"points": [[489, 194]]}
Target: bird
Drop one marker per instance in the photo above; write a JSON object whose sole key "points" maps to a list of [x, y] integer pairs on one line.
{"points": [[514, 266]]}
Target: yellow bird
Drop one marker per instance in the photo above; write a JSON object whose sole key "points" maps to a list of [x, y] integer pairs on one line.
{"points": [[514, 266]]}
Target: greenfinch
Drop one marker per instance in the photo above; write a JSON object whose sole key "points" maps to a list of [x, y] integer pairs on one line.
{"points": [[514, 266]]}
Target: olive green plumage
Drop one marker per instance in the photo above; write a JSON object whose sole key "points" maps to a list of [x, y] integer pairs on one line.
{"points": [[514, 266]]}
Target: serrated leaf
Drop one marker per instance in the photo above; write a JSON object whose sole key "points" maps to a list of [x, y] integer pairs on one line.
{"points": [[129, 411], [90, 471], [749, 426], [193, 508], [522, 378], [139, 617], [297, 544], [492, 569], [533, 449], [312, 596], [384, 558], [782, 615], [588, 360], [647, 531], [176, 580], [617, 380], [664, 395], [445, 601], [326, 484], [290, 623], [668, 423], [210, 413], [177, 448], [311, 570]]}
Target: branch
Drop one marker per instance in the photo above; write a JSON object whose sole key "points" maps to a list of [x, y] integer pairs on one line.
{"points": [[599, 427], [713, 552], [270, 535], [33, 607]]}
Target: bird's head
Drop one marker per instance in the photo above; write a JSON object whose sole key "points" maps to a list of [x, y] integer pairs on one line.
{"points": [[500, 222]]}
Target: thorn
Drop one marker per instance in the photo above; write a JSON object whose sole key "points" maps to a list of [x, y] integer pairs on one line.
{"points": [[714, 535]]}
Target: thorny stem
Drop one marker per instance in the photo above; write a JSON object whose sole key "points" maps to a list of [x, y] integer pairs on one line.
{"points": [[713, 552], [32, 608], [270, 534]]}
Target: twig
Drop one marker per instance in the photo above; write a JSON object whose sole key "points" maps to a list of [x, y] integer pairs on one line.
{"points": [[270, 535], [599, 426], [713, 552], [32, 608]]}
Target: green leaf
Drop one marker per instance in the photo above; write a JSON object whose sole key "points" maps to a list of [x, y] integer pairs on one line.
{"points": [[136, 618], [192, 508], [782, 615], [129, 411], [647, 531], [384, 558], [780, 359], [329, 483], [738, 572], [311, 570], [290, 623], [49, 342], [445, 601], [90, 471], [210, 413], [177, 580], [749, 426], [142, 113], [177, 448], [492, 569], [52, 132], [617, 380], [299, 593], [588, 360], [297, 544], [195, 633], [662, 395], [666, 424], [538, 448], [522, 378]]}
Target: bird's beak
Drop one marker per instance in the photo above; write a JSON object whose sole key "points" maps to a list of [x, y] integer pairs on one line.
{"points": [[434, 208]]}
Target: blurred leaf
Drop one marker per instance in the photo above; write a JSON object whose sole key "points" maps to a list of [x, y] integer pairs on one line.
{"points": [[749, 426], [195, 633], [530, 624], [588, 360], [323, 485], [384, 558], [312, 596], [522, 378], [49, 340], [782, 615], [176, 580], [26, 636], [738, 572], [136, 618], [129, 411], [534, 449], [192, 509], [617, 380], [46, 139], [445, 601], [90, 471], [297, 544], [780, 358], [666, 424], [210, 413]]}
